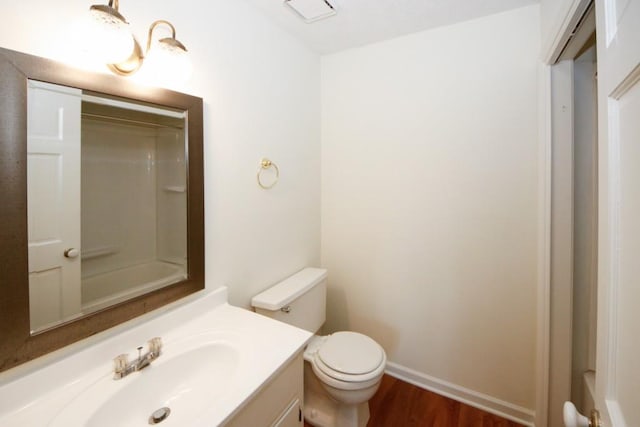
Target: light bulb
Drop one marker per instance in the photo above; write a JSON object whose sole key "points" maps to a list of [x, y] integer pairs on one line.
{"points": [[111, 36], [167, 62]]}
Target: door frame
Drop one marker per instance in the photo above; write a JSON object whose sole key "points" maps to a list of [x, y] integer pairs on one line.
{"points": [[554, 329]]}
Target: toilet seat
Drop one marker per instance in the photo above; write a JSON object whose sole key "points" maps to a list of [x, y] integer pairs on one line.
{"points": [[350, 353], [349, 357]]}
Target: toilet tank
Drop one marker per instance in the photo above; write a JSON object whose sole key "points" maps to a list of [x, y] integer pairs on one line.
{"points": [[299, 300]]}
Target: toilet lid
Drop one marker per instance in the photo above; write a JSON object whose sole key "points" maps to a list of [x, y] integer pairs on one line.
{"points": [[351, 353]]}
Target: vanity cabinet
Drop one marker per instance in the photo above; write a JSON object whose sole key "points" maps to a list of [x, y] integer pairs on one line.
{"points": [[278, 403]]}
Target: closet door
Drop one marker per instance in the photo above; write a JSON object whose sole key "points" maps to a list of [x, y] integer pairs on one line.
{"points": [[618, 370], [53, 188]]}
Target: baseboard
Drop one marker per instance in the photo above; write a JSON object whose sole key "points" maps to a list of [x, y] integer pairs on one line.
{"points": [[478, 400]]}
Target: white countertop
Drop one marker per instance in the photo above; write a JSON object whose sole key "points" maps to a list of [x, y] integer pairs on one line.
{"points": [[34, 396]]}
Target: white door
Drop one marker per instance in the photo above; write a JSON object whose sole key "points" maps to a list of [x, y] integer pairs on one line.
{"points": [[53, 189], [618, 351]]}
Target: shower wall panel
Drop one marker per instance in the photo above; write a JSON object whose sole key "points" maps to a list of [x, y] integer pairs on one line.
{"points": [[118, 196], [171, 196]]}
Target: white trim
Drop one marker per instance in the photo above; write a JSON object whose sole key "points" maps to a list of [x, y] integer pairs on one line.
{"points": [[544, 250], [108, 101], [54, 87], [133, 106], [630, 81], [563, 29], [473, 398], [614, 201], [615, 413]]}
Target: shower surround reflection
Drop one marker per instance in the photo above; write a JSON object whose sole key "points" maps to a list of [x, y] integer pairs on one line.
{"points": [[131, 228]]}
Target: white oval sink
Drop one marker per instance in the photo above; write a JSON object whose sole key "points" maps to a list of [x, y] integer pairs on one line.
{"points": [[214, 360], [186, 378]]}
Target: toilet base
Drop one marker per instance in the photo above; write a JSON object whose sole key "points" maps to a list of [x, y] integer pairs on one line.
{"points": [[320, 410]]}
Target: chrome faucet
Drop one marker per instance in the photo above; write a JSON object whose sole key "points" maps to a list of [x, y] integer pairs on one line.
{"points": [[122, 366]]}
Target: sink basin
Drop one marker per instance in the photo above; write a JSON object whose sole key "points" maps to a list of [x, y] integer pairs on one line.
{"points": [[187, 378], [215, 359]]}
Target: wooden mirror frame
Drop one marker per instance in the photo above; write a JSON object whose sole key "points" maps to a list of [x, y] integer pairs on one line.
{"points": [[17, 344]]}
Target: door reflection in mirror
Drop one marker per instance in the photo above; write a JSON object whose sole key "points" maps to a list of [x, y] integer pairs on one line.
{"points": [[107, 181]]}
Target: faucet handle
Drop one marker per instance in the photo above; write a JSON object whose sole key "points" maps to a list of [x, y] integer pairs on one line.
{"points": [[155, 346], [120, 364]]}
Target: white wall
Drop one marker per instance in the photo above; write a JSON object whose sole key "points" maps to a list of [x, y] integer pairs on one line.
{"points": [[262, 98], [429, 200]]}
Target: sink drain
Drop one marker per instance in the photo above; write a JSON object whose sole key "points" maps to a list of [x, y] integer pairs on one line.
{"points": [[159, 415]]}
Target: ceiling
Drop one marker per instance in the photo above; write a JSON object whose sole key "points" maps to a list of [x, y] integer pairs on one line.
{"points": [[359, 22]]}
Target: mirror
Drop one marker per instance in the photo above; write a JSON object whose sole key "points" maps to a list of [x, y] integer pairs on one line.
{"points": [[103, 186], [106, 201]]}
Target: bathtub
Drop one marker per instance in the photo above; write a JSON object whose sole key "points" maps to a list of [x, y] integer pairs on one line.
{"points": [[103, 290]]}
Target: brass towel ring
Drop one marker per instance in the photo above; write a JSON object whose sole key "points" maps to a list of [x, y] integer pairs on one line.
{"points": [[266, 164]]}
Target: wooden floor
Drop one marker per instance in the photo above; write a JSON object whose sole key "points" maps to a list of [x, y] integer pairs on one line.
{"points": [[399, 404]]}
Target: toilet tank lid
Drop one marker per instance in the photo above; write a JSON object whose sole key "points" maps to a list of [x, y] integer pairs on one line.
{"points": [[282, 293]]}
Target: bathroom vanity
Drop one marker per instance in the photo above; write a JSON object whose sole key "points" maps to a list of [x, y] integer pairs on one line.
{"points": [[220, 365], [74, 328], [278, 403]]}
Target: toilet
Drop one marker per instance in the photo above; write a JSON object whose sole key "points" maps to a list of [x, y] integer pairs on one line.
{"points": [[342, 371]]}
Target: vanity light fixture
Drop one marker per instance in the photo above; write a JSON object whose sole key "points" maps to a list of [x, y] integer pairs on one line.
{"points": [[111, 34], [165, 57]]}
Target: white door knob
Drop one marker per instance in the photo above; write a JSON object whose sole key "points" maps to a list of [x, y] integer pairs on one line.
{"points": [[71, 253], [573, 418]]}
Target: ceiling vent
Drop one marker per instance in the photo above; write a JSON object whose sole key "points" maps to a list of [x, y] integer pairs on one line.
{"points": [[311, 10]]}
